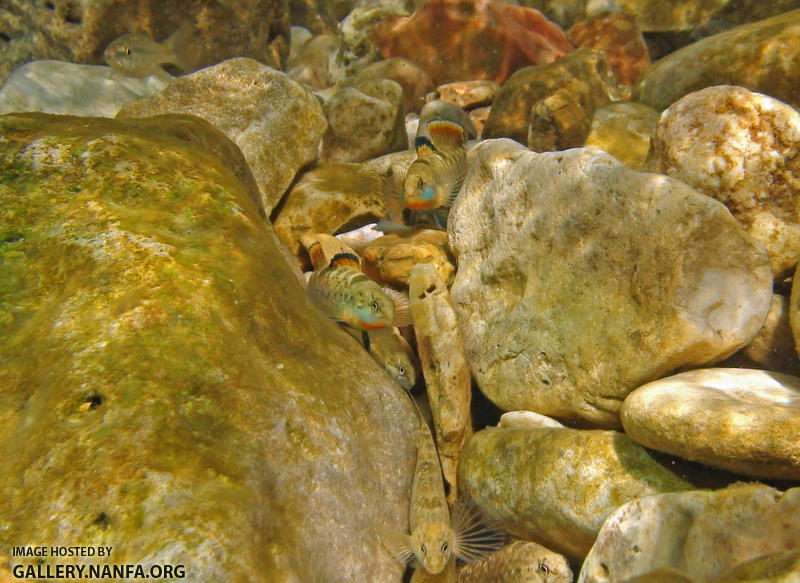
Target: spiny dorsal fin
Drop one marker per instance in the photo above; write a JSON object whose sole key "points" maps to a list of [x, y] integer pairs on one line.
{"points": [[402, 311], [317, 255], [424, 146], [445, 133], [345, 260]]}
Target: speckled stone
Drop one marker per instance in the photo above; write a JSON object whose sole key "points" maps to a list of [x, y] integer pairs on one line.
{"points": [[520, 561], [624, 130], [753, 430], [390, 258], [556, 486], [779, 567], [364, 122], [275, 122], [468, 94], [658, 16], [311, 66], [414, 81], [552, 105], [70, 89], [701, 534], [325, 200], [742, 148], [580, 279], [762, 56], [186, 404]]}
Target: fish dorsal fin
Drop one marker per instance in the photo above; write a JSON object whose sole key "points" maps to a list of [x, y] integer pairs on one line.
{"points": [[446, 134], [346, 261], [402, 311], [424, 146], [317, 255]]}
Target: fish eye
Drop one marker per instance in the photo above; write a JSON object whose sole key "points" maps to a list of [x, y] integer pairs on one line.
{"points": [[127, 50], [375, 305], [544, 568], [402, 370], [444, 547], [419, 183], [422, 548]]}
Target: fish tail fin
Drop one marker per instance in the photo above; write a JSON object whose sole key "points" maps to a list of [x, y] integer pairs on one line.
{"points": [[346, 260], [446, 133], [316, 254], [397, 544], [475, 539], [179, 46], [389, 226], [402, 310]]}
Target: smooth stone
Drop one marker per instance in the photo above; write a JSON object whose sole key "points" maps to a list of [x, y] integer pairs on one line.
{"points": [[560, 98], [556, 486], [658, 16], [478, 117], [741, 148], [390, 259], [753, 430], [457, 40], [327, 199], [624, 130], [365, 121], [779, 567], [580, 279], [618, 37], [701, 534], [468, 94], [526, 420], [69, 89], [564, 12], [275, 122], [414, 81], [186, 405], [762, 56], [520, 561]]}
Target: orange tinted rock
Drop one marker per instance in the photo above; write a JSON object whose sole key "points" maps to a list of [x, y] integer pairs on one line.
{"points": [[617, 36], [472, 39]]}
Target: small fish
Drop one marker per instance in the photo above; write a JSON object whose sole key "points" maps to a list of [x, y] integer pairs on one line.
{"points": [[435, 177], [138, 55], [390, 350]]}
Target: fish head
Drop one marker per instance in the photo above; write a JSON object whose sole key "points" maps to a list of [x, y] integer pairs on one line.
{"points": [[433, 546], [132, 54], [401, 369], [371, 308], [420, 190]]}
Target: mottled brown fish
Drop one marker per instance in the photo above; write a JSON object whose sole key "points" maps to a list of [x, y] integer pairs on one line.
{"points": [[138, 55]]}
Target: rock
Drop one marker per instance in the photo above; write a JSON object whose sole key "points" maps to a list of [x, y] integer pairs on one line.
{"points": [[761, 56], [275, 122], [315, 15], [624, 130], [556, 486], [187, 404], [564, 12], [79, 32], [312, 66], [468, 94], [780, 567], [752, 431], [391, 258], [414, 81], [580, 279], [741, 148], [655, 16], [456, 40], [617, 36], [446, 372], [519, 561], [478, 118], [526, 420], [745, 11], [699, 533], [69, 89], [327, 199], [557, 100], [364, 122]]}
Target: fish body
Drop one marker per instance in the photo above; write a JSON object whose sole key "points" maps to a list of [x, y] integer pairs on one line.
{"points": [[390, 350], [138, 55]]}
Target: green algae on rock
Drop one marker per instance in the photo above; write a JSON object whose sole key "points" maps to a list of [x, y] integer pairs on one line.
{"points": [[167, 387]]}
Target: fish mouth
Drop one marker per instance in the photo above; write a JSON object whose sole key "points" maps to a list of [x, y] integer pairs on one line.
{"points": [[417, 206], [371, 326]]}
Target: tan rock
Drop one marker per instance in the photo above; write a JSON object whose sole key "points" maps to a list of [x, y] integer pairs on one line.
{"points": [[741, 148], [311, 66], [779, 567], [773, 347], [656, 16], [275, 122], [444, 367], [364, 122], [478, 117], [468, 94], [753, 430], [526, 420], [325, 200], [624, 130], [414, 81], [525, 562], [580, 279], [391, 258], [556, 486], [701, 534]]}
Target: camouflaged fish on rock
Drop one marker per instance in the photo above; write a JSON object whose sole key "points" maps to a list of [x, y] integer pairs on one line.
{"points": [[435, 177], [138, 55]]}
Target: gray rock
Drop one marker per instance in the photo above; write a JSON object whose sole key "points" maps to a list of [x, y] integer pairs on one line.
{"points": [[580, 279]]}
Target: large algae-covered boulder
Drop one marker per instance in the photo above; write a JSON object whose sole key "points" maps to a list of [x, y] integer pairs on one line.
{"points": [[166, 387], [580, 279]]}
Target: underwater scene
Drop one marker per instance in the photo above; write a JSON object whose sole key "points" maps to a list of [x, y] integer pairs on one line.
{"points": [[390, 291]]}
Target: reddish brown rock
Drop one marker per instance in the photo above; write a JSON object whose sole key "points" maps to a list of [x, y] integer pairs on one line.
{"points": [[455, 40], [617, 36]]}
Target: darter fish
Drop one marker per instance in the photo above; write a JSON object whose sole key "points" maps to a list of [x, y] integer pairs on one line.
{"points": [[138, 55]]}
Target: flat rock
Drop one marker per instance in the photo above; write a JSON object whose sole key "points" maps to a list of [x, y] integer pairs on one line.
{"points": [[70, 89], [186, 404], [365, 121], [763, 56], [275, 122], [753, 430], [556, 486], [742, 148], [391, 258], [699, 534], [624, 130], [580, 279], [468, 94], [456, 40]]}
